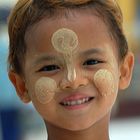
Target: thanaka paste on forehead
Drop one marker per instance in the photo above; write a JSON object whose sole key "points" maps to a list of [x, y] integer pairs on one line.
{"points": [[65, 41], [104, 82], [45, 89]]}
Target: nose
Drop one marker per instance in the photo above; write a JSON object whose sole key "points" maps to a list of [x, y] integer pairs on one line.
{"points": [[79, 81]]}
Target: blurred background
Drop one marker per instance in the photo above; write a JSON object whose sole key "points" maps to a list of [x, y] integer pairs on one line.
{"points": [[21, 122]]}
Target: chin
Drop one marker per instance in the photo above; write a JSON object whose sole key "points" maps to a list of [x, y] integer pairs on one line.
{"points": [[76, 129], [77, 126]]}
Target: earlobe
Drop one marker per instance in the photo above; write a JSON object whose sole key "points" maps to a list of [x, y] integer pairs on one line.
{"points": [[26, 98], [126, 70], [19, 85]]}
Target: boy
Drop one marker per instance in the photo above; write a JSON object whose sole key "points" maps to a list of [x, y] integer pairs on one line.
{"points": [[69, 58]]}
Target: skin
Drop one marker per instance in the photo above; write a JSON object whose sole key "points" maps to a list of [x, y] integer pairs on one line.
{"points": [[45, 89], [104, 81], [81, 119], [90, 122], [65, 41]]}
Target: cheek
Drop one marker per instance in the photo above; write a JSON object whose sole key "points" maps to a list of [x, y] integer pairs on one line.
{"points": [[45, 89], [105, 82]]}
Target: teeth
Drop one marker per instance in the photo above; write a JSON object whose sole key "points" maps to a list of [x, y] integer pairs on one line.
{"points": [[84, 100], [73, 103], [64, 103], [87, 99], [68, 103], [76, 102], [79, 102]]}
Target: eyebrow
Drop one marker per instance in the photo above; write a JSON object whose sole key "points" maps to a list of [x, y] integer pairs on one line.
{"points": [[45, 58], [93, 51]]}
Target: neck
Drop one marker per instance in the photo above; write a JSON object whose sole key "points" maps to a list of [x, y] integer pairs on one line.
{"points": [[98, 131]]}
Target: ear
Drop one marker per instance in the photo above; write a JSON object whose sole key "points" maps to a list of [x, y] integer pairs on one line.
{"points": [[19, 84], [126, 70]]}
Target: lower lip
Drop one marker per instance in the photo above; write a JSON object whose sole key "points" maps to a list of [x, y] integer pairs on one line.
{"points": [[77, 107]]}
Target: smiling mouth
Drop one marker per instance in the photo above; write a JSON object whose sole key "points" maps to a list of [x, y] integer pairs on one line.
{"points": [[76, 102]]}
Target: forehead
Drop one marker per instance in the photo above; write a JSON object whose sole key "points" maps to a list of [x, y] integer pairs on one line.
{"points": [[90, 29]]}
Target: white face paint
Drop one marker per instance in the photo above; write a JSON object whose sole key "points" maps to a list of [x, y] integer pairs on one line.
{"points": [[104, 82], [45, 89], [65, 41]]}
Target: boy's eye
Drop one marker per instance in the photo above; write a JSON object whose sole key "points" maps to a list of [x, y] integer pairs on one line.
{"points": [[92, 62], [50, 68]]}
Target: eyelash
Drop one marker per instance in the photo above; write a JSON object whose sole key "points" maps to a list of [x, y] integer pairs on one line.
{"points": [[49, 68], [54, 68], [92, 62]]}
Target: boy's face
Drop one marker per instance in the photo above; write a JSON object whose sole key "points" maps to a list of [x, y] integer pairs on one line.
{"points": [[72, 70]]}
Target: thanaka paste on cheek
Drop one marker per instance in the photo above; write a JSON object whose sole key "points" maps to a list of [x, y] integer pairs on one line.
{"points": [[45, 89], [104, 82], [65, 41]]}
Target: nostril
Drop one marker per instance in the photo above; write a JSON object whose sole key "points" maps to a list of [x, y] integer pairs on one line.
{"points": [[67, 87], [72, 85], [82, 85]]}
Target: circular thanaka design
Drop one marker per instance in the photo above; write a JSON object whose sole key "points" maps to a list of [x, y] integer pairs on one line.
{"points": [[45, 89], [104, 82], [65, 41]]}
